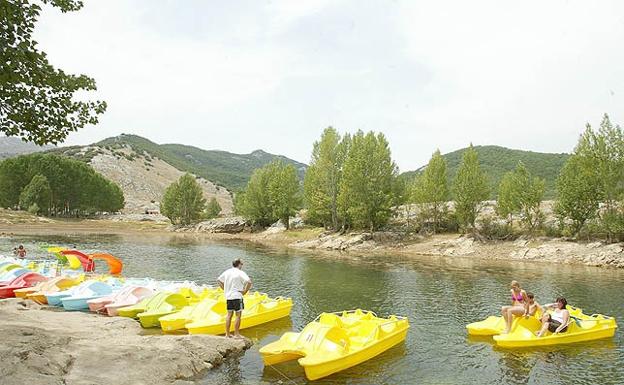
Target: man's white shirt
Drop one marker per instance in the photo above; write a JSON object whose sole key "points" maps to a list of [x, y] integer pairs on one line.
{"points": [[234, 280]]}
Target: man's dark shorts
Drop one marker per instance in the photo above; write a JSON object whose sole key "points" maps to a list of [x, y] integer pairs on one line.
{"points": [[553, 324], [235, 304]]}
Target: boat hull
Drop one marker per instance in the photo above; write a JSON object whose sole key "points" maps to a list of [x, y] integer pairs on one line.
{"points": [[246, 322], [316, 371]]}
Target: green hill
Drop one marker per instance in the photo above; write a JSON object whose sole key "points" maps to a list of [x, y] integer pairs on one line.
{"points": [[496, 161], [227, 169], [223, 168]]}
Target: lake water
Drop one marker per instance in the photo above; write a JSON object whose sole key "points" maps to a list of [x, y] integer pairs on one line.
{"points": [[438, 295]]}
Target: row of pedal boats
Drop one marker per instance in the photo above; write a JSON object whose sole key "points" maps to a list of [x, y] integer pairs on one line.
{"points": [[331, 343]]}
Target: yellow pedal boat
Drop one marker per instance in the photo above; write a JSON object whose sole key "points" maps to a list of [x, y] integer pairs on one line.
{"points": [[259, 309], [336, 341], [494, 325], [580, 328]]}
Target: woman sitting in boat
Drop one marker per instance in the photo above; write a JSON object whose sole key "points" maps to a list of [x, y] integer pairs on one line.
{"points": [[557, 320], [519, 305]]}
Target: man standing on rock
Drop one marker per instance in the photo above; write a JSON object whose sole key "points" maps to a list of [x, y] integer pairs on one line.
{"points": [[235, 284]]}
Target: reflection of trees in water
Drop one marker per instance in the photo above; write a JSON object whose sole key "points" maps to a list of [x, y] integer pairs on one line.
{"points": [[336, 286]]}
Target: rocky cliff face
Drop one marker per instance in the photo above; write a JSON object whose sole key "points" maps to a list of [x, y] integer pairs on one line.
{"points": [[144, 179]]}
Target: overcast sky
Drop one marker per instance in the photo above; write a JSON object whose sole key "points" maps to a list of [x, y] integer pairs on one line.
{"points": [[243, 75]]}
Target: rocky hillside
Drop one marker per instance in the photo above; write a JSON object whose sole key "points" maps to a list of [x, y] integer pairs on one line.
{"points": [[143, 169], [226, 169], [496, 161], [11, 146], [142, 178]]}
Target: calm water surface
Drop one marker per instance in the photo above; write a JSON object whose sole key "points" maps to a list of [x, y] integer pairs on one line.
{"points": [[439, 296]]}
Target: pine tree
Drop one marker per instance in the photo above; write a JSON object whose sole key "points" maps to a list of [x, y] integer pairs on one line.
{"points": [[470, 188], [36, 194]]}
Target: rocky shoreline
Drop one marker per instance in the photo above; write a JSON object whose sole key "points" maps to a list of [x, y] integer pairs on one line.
{"points": [[301, 237], [41, 345]]}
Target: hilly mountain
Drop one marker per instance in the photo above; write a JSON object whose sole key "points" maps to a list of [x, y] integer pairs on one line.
{"points": [[11, 146], [496, 161], [223, 168], [143, 169]]}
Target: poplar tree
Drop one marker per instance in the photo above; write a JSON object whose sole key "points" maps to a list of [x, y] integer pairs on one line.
{"points": [[213, 209], [528, 192], [322, 180], [507, 202], [366, 190], [431, 189], [601, 152], [470, 188], [578, 193], [183, 201], [283, 191], [255, 203], [272, 193]]}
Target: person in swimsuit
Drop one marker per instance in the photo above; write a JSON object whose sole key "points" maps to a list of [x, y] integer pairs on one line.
{"points": [[557, 320], [532, 305], [519, 305], [21, 252]]}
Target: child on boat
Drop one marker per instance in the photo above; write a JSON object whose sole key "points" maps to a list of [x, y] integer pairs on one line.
{"points": [[532, 305]]}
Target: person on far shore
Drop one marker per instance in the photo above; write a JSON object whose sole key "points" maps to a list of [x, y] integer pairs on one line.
{"points": [[20, 252], [558, 320], [235, 284], [519, 305]]}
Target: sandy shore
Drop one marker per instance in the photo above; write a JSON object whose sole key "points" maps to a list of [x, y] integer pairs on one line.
{"points": [[41, 345]]}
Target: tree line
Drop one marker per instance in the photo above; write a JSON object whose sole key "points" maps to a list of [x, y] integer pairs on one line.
{"points": [[53, 185], [352, 183]]}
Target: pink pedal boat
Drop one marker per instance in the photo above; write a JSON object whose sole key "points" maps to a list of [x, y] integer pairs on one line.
{"points": [[127, 296]]}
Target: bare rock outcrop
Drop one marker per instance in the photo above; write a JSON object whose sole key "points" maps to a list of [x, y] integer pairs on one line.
{"points": [[43, 346], [229, 225], [144, 179]]}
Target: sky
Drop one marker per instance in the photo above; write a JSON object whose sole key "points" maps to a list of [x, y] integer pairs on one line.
{"points": [[246, 75]]}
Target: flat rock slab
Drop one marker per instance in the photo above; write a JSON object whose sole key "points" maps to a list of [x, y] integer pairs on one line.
{"points": [[41, 345]]}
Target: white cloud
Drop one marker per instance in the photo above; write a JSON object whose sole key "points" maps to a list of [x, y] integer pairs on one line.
{"points": [[273, 75]]}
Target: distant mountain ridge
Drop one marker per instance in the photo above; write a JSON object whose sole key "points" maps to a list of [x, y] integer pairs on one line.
{"points": [[144, 169], [11, 146], [497, 160], [223, 168]]}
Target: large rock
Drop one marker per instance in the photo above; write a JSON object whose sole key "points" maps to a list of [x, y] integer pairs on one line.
{"points": [[42, 346], [230, 225]]}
